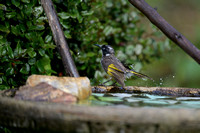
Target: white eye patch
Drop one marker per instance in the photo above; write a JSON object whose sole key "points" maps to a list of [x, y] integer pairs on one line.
{"points": [[110, 48]]}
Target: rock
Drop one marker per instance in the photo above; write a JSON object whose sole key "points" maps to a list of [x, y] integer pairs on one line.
{"points": [[44, 92], [79, 87]]}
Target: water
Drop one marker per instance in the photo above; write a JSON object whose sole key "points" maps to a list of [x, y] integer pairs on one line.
{"points": [[141, 100]]}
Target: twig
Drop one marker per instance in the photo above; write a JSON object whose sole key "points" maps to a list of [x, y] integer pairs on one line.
{"points": [[167, 29], [168, 91], [59, 38]]}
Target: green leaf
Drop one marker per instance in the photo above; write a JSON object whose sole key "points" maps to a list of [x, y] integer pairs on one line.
{"points": [[10, 15], [10, 52], [87, 13], [18, 50], [130, 50], [37, 27], [15, 30], [3, 7], [91, 54], [41, 19], [51, 46], [40, 66], [16, 2], [4, 87], [22, 27], [80, 18], [65, 24], [30, 36], [27, 9], [3, 50], [44, 64], [108, 30], [42, 52], [32, 54], [1, 81], [32, 61], [4, 29], [48, 38], [10, 71], [26, 1], [34, 69], [67, 34], [138, 49], [25, 69], [37, 11], [64, 15]]}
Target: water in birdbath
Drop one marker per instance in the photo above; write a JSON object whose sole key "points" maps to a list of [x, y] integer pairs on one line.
{"points": [[141, 100]]}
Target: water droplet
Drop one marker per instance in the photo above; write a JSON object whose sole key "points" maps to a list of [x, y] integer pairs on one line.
{"points": [[132, 66], [145, 79]]}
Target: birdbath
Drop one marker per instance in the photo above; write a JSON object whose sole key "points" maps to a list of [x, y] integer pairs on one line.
{"points": [[134, 109]]}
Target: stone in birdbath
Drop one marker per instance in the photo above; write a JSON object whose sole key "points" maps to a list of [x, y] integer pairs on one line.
{"points": [[79, 87], [44, 92]]}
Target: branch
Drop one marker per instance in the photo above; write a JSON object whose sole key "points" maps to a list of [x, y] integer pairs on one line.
{"points": [[59, 38], [167, 29], [168, 91]]}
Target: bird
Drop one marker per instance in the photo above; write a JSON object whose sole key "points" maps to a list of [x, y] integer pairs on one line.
{"points": [[114, 67]]}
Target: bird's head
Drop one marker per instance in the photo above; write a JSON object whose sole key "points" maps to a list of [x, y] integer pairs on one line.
{"points": [[107, 50]]}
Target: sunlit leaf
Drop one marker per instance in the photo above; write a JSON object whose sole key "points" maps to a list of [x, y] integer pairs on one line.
{"points": [[18, 50], [67, 34], [48, 38], [25, 69], [37, 11], [32, 61], [15, 2], [26, 1], [10, 52], [4, 29], [10, 14], [64, 15], [108, 30], [10, 71], [32, 54], [2, 7], [87, 13]]}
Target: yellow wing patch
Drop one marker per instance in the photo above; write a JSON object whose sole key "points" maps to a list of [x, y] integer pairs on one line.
{"points": [[112, 69], [136, 73]]}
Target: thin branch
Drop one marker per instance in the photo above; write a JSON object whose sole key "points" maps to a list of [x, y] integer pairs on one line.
{"points": [[168, 91], [167, 29], [59, 38]]}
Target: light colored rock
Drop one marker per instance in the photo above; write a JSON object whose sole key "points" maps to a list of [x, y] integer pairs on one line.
{"points": [[44, 92], [79, 87]]}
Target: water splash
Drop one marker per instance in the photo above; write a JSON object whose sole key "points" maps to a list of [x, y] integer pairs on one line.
{"points": [[145, 79]]}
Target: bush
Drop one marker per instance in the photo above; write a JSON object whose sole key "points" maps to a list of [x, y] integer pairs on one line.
{"points": [[27, 47]]}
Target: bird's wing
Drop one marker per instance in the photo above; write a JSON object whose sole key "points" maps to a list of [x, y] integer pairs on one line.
{"points": [[140, 75], [113, 69]]}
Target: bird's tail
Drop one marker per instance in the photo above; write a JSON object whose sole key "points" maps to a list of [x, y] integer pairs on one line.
{"points": [[140, 75]]}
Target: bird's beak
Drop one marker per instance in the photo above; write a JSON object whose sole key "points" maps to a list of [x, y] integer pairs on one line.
{"points": [[98, 45]]}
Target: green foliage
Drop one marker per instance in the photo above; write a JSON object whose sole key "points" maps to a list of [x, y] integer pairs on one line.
{"points": [[27, 47]]}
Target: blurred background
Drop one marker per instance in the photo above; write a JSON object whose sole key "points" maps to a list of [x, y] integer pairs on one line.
{"points": [[176, 68]]}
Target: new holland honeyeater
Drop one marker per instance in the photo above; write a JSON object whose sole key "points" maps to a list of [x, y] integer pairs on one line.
{"points": [[114, 67]]}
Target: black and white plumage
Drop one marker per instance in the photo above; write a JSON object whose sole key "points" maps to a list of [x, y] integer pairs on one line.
{"points": [[114, 67]]}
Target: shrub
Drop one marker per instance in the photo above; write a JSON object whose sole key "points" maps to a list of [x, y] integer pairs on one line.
{"points": [[27, 47]]}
